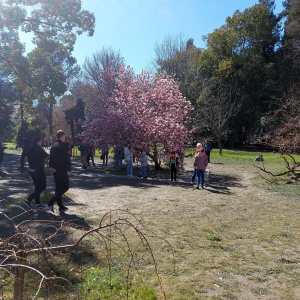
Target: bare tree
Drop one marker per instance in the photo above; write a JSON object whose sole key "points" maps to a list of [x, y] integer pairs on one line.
{"points": [[292, 166], [283, 130], [166, 52], [287, 134], [218, 105], [51, 237], [95, 68]]}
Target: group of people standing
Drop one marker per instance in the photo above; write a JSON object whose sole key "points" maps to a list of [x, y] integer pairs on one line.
{"points": [[143, 159], [60, 164]]}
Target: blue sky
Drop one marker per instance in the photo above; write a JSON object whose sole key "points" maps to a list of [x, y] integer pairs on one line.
{"points": [[134, 26]]}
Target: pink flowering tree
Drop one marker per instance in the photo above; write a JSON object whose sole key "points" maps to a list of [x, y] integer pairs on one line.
{"points": [[148, 112]]}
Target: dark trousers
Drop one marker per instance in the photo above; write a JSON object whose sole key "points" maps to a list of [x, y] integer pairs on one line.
{"points": [[39, 180], [105, 158], [173, 172], [208, 155], [90, 156], [61, 180]]}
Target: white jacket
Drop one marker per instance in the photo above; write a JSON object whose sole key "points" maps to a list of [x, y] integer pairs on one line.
{"points": [[128, 154]]}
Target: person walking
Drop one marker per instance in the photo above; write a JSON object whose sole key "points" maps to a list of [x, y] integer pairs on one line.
{"points": [[128, 153], [201, 162], [58, 166], [90, 155], [144, 163], [36, 160], [174, 163]]}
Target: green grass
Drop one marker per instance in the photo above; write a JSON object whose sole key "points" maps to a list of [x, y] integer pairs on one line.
{"points": [[273, 162], [112, 284], [242, 156]]}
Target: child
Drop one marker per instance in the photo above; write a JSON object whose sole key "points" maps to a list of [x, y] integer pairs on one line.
{"points": [[173, 165], [201, 162], [144, 163]]}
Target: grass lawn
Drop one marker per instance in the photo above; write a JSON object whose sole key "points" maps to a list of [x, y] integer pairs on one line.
{"points": [[239, 238]]}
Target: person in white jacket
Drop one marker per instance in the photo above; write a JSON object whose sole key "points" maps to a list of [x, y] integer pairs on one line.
{"points": [[144, 163], [128, 153]]}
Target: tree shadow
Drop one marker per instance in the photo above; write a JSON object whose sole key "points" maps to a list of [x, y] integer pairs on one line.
{"points": [[38, 221], [17, 184]]}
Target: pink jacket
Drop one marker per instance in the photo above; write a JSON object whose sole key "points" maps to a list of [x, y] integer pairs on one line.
{"points": [[201, 161]]}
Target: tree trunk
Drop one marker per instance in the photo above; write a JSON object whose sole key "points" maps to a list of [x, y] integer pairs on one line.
{"points": [[21, 115], [155, 158], [50, 118], [220, 146], [20, 278]]}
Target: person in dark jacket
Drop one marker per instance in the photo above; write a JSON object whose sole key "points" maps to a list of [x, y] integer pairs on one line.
{"points": [[36, 160], [58, 167]]}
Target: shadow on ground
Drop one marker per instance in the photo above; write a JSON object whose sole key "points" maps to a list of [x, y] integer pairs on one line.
{"points": [[16, 184]]}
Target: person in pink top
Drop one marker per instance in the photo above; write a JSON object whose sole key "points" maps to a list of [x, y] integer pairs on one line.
{"points": [[200, 163], [199, 147]]}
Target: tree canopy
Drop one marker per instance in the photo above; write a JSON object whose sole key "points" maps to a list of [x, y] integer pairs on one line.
{"points": [[46, 70], [149, 112]]}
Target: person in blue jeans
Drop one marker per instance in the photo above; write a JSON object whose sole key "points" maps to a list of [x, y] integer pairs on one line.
{"points": [[200, 163], [128, 153], [199, 147], [36, 160]]}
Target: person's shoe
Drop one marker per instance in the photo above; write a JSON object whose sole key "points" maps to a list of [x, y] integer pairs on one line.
{"points": [[140, 176], [27, 203], [192, 182], [39, 205], [145, 177], [197, 187], [63, 208], [49, 209], [202, 186]]}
